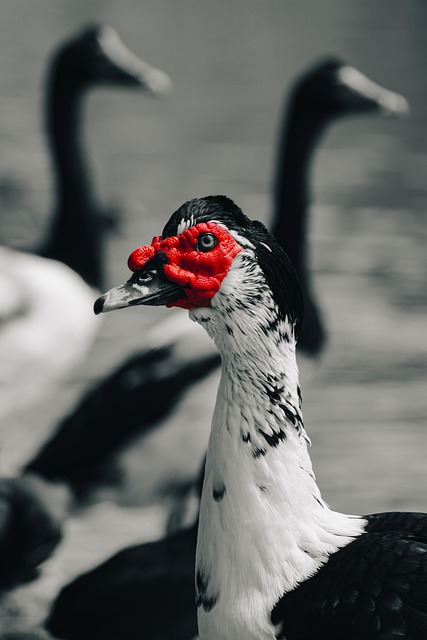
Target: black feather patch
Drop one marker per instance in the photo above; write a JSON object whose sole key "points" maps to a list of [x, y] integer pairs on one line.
{"points": [[258, 453], [275, 439], [202, 599], [374, 587], [219, 492]]}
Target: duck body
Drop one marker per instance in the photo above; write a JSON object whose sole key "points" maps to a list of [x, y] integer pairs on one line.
{"points": [[47, 330], [144, 590], [266, 539], [32, 512]]}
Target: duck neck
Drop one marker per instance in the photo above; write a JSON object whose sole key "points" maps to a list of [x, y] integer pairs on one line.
{"points": [[76, 230], [263, 525], [299, 136]]}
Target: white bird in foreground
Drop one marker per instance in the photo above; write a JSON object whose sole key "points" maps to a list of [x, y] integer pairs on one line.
{"points": [[273, 560]]}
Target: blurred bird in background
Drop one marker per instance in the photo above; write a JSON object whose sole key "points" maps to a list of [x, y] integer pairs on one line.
{"points": [[46, 304], [47, 325]]}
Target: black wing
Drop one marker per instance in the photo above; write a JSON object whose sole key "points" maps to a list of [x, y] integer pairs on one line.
{"points": [[31, 515], [134, 399], [145, 591], [373, 589]]}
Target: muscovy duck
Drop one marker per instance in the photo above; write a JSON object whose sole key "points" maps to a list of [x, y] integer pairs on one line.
{"points": [[273, 559]]}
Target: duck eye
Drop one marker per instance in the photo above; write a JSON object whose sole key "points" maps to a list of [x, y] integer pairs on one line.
{"points": [[206, 242], [143, 276]]}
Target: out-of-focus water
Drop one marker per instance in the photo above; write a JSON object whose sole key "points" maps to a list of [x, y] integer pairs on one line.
{"points": [[231, 64]]}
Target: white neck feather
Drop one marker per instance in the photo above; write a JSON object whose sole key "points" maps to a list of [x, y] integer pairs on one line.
{"points": [[263, 525]]}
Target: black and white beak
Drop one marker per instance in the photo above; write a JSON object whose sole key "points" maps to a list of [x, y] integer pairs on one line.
{"points": [[147, 286]]}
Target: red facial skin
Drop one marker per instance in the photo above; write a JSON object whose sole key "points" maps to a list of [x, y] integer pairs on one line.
{"points": [[200, 273]]}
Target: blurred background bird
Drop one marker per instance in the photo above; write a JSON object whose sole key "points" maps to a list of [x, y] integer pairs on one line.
{"points": [[48, 326], [47, 323]]}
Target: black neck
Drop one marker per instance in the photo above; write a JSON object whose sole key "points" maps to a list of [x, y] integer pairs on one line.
{"points": [[76, 237], [291, 188]]}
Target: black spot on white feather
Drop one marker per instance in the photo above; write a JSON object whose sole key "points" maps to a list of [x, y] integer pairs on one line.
{"points": [[275, 439], [262, 488], [246, 437], [288, 413], [273, 324], [229, 329], [274, 394], [292, 417], [256, 297], [207, 602], [219, 492], [239, 304], [258, 453]]}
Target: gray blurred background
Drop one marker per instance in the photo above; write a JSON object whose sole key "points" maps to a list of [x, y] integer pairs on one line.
{"points": [[232, 62]]}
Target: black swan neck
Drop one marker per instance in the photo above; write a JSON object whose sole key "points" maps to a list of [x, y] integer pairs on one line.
{"points": [[291, 199], [299, 137], [76, 237]]}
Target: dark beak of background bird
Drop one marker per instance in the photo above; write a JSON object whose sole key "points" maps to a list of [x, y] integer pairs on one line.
{"points": [[147, 286]]}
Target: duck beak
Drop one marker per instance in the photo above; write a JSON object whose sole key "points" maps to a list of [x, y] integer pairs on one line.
{"points": [[148, 286], [125, 66], [370, 95]]}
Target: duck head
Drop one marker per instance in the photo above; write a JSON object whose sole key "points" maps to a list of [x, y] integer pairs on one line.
{"points": [[209, 255], [97, 55], [333, 88]]}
